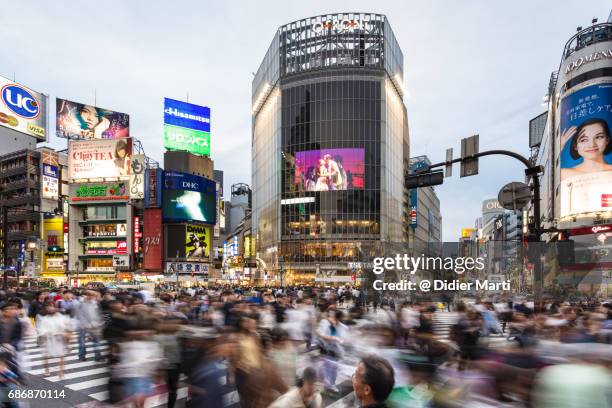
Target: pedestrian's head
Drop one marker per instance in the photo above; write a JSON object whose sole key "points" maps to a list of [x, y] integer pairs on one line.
{"points": [[373, 380], [307, 383], [50, 309], [9, 310], [68, 295]]}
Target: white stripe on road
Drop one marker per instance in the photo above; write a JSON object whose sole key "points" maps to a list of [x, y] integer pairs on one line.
{"points": [[79, 374], [153, 401], [100, 396], [67, 367], [72, 357], [88, 384], [71, 346], [38, 356]]}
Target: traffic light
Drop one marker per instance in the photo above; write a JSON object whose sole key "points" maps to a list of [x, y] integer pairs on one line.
{"points": [[432, 178]]}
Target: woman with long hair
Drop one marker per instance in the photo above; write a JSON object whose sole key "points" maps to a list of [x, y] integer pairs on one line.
{"points": [[590, 142]]}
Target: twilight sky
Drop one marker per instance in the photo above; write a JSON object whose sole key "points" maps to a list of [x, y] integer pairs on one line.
{"points": [[470, 66]]}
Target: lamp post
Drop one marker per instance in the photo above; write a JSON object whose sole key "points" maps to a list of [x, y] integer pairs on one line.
{"points": [[281, 264]]}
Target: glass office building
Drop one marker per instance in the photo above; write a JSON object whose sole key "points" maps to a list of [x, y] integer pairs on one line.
{"points": [[330, 141]]}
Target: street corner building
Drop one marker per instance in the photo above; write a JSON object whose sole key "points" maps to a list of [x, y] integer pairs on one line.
{"points": [[572, 141], [329, 148]]}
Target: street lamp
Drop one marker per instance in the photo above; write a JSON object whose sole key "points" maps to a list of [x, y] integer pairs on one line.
{"points": [[281, 264]]}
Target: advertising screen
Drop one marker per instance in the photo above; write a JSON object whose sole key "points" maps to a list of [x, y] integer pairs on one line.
{"points": [[80, 121], [197, 242], [53, 251], [23, 109], [99, 158], [330, 169], [186, 127], [586, 151], [187, 197]]}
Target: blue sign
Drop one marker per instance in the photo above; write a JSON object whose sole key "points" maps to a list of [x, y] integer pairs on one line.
{"points": [[186, 115], [187, 198], [19, 100], [51, 171], [190, 182]]}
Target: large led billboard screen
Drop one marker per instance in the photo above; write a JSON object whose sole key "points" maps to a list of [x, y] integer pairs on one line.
{"points": [[187, 197], [330, 169], [89, 159], [197, 242], [81, 121], [586, 151], [23, 109], [186, 127]]}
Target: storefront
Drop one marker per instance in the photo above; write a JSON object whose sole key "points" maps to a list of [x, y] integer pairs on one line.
{"points": [[101, 229]]}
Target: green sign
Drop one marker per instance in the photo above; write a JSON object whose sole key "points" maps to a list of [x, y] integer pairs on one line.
{"points": [[180, 138], [101, 190]]}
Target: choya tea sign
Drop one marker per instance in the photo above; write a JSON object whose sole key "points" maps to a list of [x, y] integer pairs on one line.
{"points": [[101, 192]]}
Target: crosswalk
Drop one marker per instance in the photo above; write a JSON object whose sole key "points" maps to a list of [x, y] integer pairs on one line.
{"points": [[443, 321], [88, 377]]}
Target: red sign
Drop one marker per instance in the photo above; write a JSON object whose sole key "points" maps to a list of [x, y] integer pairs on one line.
{"points": [[137, 234], [606, 200], [153, 239], [595, 229]]}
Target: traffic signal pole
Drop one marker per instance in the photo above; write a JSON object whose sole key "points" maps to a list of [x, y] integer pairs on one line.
{"points": [[536, 230]]}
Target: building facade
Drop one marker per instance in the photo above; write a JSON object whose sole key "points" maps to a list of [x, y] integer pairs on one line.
{"points": [[329, 138], [31, 185], [425, 218], [575, 149]]}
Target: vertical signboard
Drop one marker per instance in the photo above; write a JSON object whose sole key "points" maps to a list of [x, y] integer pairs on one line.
{"points": [[152, 239], [153, 188], [586, 151], [137, 235], [137, 179]]}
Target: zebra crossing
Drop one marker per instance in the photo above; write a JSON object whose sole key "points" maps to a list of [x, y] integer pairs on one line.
{"points": [[88, 377], [443, 321]]}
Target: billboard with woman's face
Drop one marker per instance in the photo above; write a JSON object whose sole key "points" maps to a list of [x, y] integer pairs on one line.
{"points": [[330, 169], [80, 121], [89, 159], [586, 151]]}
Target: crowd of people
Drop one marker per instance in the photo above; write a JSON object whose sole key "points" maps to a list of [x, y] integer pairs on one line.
{"points": [[310, 346]]}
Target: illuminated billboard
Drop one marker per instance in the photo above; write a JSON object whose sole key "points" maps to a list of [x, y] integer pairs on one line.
{"points": [[586, 151], [23, 109], [197, 242], [50, 181], [53, 242], [330, 169], [186, 127], [187, 197], [89, 159], [81, 121]]}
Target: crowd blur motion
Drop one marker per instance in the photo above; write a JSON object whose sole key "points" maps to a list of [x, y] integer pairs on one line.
{"points": [[314, 347]]}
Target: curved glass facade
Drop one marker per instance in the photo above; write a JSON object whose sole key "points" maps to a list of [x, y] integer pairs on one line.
{"points": [[329, 142]]}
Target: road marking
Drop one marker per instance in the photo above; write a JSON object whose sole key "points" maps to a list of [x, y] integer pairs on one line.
{"points": [[79, 374], [67, 367], [88, 384], [72, 357]]}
